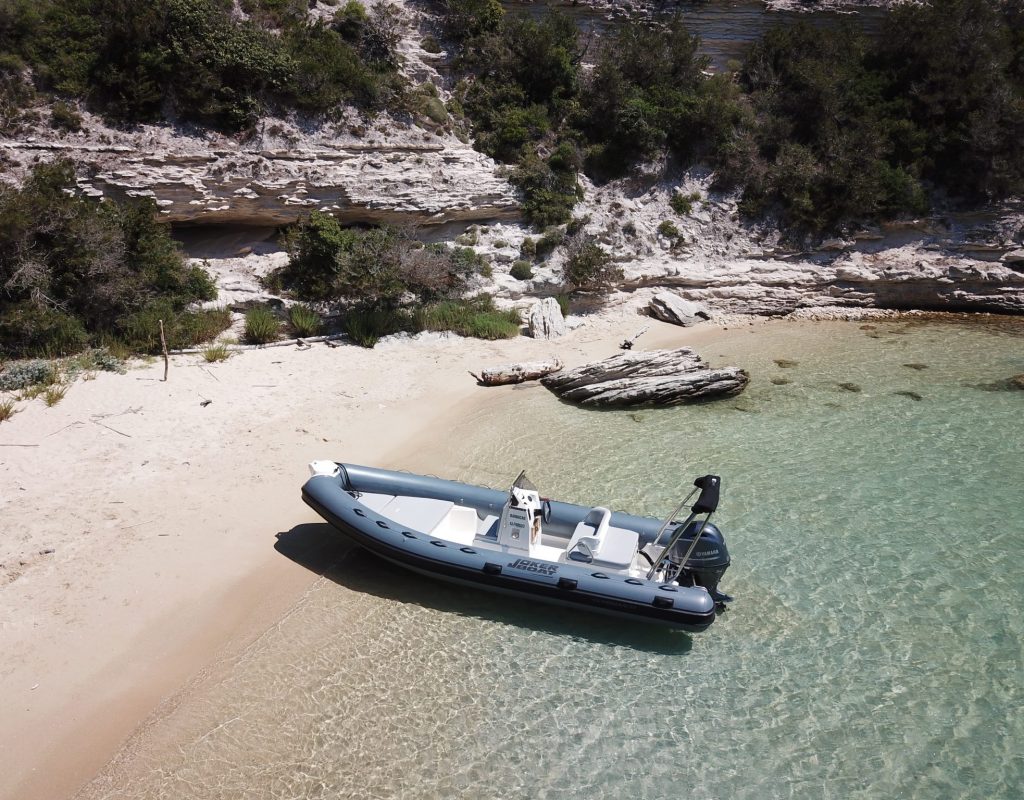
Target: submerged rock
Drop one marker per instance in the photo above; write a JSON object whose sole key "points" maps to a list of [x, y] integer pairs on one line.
{"points": [[653, 378], [916, 366], [781, 381], [786, 363], [911, 395], [849, 387]]}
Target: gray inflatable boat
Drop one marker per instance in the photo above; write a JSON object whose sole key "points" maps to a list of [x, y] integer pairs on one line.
{"points": [[517, 542]]}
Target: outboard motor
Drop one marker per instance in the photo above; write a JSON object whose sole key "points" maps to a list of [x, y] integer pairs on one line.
{"points": [[708, 561]]}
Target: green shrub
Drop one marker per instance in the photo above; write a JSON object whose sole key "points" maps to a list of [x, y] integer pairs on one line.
{"points": [[23, 374], [99, 263], [589, 268], [141, 331], [430, 44], [552, 238], [261, 325], [668, 229], [521, 270], [305, 321], [564, 303], [376, 267], [28, 330], [682, 204], [528, 249], [63, 117]]}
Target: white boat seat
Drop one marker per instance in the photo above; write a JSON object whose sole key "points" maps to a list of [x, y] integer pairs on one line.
{"points": [[596, 542]]}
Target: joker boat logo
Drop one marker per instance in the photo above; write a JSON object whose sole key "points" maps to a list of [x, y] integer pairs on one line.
{"points": [[533, 566]]}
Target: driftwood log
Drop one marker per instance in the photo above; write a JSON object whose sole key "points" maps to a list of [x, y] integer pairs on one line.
{"points": [[516, 373], [653, 378]]}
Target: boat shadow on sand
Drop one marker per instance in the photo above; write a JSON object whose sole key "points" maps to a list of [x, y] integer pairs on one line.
{"points": [[320, 549]]}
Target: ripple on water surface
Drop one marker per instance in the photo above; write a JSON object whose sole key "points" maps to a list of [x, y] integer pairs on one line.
{"points": [[874, 649]]}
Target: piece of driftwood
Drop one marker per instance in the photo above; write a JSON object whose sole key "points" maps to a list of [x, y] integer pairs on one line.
{"points": [[236, 348], [627, 344], [516, 373], [652, 378]]}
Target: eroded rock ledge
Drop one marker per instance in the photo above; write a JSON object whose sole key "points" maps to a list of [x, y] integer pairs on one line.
{"points": [[423, 183], [652, 378]]}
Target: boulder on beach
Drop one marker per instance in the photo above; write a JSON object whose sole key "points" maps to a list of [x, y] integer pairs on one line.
{"points": [[669, 307], [545, 320], [652, 378]]}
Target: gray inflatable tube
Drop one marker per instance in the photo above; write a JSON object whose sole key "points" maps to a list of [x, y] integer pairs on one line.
{"points": [[336, 499]]}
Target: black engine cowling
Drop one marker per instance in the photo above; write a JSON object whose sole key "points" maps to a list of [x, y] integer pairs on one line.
{"points": [[708, 561]]}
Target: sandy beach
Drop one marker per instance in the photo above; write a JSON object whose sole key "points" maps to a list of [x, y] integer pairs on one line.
{"points": [[140, 521]]}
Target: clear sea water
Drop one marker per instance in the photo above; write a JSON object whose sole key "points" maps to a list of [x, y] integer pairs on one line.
{"points": [[874, 649]]}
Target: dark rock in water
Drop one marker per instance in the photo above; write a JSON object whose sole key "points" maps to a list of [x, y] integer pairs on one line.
{"points": [[916, 366], [746, 408], [849, 387], [1013, 384], [786, 363], [652, 378], [833, 405], [911, 395], [869, 327], [637, 417], [781, 381]]}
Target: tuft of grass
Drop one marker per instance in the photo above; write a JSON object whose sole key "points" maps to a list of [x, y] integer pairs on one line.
{"points": [[564, 302], [477, 317], [261, 326], [54, 393], [216, 352], [367, 326], [305, 320], [6, 410]]}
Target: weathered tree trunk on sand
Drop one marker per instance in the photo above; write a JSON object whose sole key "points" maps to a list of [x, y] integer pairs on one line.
{"points": [[516, 373], [653, 378]]}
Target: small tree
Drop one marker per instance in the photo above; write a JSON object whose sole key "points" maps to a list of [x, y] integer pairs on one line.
{"points": [[588, 268]]}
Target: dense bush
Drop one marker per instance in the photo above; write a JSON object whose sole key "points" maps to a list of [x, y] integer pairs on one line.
{"points": [[376, 266], [74, 271], [819, 127], [588, 267], [521, 270], [133, 61]]}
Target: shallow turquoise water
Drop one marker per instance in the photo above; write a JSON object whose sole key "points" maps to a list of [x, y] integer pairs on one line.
{"points": [[874, 649]]}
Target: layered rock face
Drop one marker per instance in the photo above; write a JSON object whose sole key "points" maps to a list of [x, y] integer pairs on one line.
{"points": [[899, 278], [389, 180]]}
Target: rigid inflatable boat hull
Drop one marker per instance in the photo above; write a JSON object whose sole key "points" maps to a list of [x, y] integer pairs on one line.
{"points": [[579, 586]]}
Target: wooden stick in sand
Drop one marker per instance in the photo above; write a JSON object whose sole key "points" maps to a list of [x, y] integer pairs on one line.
{"points": [[163, 344]]}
